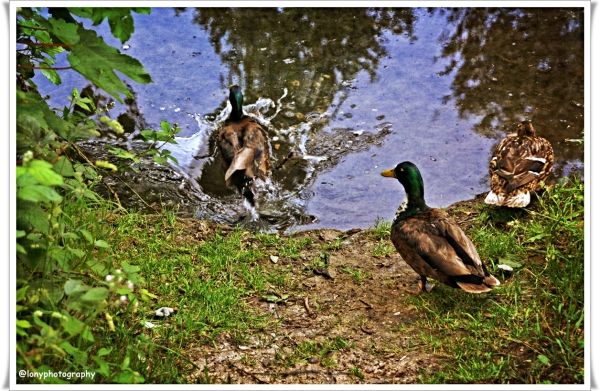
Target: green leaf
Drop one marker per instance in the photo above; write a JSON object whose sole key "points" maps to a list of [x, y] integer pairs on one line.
{"points": [[64, 167], [103, 366], [21, 249], [24, 324], [536, 237], [31, 216], [121, 27], [37, 193], [21, 332], [21, 293], [95, 294], [105, 164], [62, 257], [160, 159], [52, 75], [101, 243], [145, 295], [81, 132], [75, 251], [75, 286], [104, 351], [122, 153], [543, 359], [165, 126], [31, 106], [129, 269], [65, 32], [96, 61], [173, 159], [74, 326], [512, 261], [125, 377], [119, 19], [125, 363], [79, 356], [86, 235], [272, 298], [42, 171]]}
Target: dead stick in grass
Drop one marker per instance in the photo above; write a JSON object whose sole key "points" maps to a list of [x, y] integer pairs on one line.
{"points": [[362, 307], [366, 302], [366, 330], [307, 307], [251, 374]]}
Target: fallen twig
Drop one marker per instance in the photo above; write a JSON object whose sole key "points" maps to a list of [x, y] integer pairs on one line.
{"points": [[258, 379], [366, 330], [289, 156], [362, 307], [307, 307], [366, 302]]}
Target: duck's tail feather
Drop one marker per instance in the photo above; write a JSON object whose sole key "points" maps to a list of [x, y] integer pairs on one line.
{"points": [[519, 200], [473, 288]]}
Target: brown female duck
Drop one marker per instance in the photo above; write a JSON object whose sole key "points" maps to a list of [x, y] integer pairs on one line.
{"points": [[518, 165], [431, 243], [243, 147]]}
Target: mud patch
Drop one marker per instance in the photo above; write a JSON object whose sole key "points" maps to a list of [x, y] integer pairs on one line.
{"points": [[347, 324]]}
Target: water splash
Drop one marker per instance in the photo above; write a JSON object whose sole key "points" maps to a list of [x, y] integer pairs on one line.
{"points": [[276, 208]]}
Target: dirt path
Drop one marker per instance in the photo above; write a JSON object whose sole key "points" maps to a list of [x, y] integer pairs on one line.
{"points": [[344, 323]]}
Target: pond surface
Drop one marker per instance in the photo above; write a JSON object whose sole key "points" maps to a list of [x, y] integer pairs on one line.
{"points": [[350, 91]]}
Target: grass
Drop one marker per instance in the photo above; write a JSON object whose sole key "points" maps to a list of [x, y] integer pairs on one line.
{"points": [[357, 275], [530, 329], [207, 282]]}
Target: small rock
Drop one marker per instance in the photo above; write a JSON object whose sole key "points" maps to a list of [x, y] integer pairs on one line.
{"points": [[314, 360], [274, 258], [164, 311]]}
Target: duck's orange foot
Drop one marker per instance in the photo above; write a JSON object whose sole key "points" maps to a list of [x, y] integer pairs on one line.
{"points": [[420, 285]]}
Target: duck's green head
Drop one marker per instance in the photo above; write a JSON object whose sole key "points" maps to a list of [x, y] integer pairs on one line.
{"points": [[408, 174], [237, 100]]}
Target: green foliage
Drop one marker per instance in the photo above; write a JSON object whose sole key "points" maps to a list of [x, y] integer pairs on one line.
{"points": [[119, 19], [530, 329], [381, 229], [88, 54], [97, 61], [69, 308]]}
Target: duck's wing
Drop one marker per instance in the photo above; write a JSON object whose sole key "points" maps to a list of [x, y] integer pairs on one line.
{"points": [[445, 250], [229, 143], [254, 138], [242, 160], [520, 160]]}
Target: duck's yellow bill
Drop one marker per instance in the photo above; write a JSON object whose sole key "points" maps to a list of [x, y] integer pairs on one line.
{"points": [[388, 173]]}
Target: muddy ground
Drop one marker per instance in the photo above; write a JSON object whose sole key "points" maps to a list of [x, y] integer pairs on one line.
{"points": [[369, 310]]}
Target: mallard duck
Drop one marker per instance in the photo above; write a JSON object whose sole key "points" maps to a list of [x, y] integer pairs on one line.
{"points": [[518, 165], [431, 242], [243, 147]]}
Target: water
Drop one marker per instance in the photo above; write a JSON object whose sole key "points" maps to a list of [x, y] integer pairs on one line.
{"points": [[351, 92]]}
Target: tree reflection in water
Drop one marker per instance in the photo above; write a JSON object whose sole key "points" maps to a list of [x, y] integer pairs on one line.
{"points": [[511, 64]]}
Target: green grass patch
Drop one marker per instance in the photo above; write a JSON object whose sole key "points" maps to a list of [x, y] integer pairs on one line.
{"points": [[530, 328]]}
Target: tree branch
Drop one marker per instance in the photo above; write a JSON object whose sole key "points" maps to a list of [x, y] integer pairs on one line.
{"points": [[34, 67], [44, 44]]}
